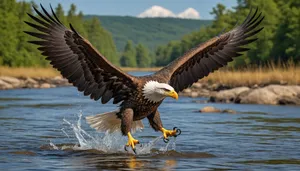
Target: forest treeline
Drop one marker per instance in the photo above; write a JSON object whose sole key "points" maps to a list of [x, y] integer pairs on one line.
{"points": [[150, 32], [279, 40], [15, 51]]}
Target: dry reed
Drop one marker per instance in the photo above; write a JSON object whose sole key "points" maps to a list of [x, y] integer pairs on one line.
{"points": [[33, 72], [269, 74]]}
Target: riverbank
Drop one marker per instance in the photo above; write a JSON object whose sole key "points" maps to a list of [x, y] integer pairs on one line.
{"points": [[275, 94], [286, 74], [7, 82], [261, 85]]}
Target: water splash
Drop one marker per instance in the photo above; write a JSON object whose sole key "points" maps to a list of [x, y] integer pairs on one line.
{"points": [[107, 143], [166, 148], [53, 146]]}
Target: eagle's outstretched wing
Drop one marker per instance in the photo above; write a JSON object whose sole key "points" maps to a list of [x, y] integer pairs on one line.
{"points": [[211, 55], [78, 60]]}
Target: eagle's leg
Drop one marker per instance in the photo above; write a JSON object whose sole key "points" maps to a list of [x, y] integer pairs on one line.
{"points": [[127, 119], [156, 124]]}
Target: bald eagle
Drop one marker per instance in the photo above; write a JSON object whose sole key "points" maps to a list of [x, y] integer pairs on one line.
{"points": [[139, 97]]}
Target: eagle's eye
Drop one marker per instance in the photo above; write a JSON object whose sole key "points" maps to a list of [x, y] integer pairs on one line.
{"points": [[165, 89]]}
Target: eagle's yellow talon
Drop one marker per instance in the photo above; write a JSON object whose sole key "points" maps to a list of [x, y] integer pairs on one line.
{"points": [[168, 133], [131, 141]]}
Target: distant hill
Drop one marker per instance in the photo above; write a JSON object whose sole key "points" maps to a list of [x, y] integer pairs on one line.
{"points": [[151, 32]]}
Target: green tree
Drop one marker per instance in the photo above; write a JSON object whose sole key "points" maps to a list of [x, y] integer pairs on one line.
{"points": [[174, 49], [28, 55], [261, 49], [142, 56], [128, 58], [101, 39], [8, 30], [76, 20], [163, 54], [59, 11], [287, 38], [153, 59], [278, 40], [15, 50]]}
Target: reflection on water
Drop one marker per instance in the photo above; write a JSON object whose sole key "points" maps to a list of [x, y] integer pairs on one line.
{"points": [[41, 129], [136, 163]]}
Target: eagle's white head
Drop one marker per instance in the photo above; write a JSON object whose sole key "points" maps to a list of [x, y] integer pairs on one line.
{"points": [[155, 91]]}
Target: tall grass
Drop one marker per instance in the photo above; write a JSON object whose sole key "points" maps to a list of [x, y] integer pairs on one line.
{"points": [[33, 72], [270, 73]]}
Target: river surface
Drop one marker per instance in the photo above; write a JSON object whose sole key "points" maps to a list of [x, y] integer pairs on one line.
{"points": [[45, 129]]}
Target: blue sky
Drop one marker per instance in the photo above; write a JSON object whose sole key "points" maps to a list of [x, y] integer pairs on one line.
{"points": [[135, 7]]}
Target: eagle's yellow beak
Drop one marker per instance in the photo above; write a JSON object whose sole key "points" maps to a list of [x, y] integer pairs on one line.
{"points": [[172, 94]]}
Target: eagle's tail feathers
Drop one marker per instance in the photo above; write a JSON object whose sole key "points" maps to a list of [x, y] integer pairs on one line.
{"points": [[110, 122]]}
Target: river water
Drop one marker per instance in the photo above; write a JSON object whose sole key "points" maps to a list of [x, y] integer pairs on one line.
{"points": [[45, 129]]}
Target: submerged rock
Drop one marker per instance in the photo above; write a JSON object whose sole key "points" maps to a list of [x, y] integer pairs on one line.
{"points": [[211, 109]]}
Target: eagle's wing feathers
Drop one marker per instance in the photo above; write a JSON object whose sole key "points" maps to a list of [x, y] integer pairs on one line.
{"points": [[78, 60], [213, 54]]}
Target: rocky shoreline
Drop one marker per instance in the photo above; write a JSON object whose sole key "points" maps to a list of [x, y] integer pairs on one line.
{"points": [[274, 94], [16, 83]]}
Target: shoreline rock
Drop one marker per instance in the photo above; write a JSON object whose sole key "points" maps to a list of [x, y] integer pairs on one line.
{"points": [[270, 94], [16, 83], [275, 94], [227, 96]]}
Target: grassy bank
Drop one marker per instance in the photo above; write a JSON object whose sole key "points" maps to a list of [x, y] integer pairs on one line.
{"points": [[269, 74], [28, 72], [36, 72], [287, 74]]}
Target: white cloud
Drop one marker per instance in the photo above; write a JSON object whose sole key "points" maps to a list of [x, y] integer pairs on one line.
{"points": [[190, 13], [158, 11]]}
